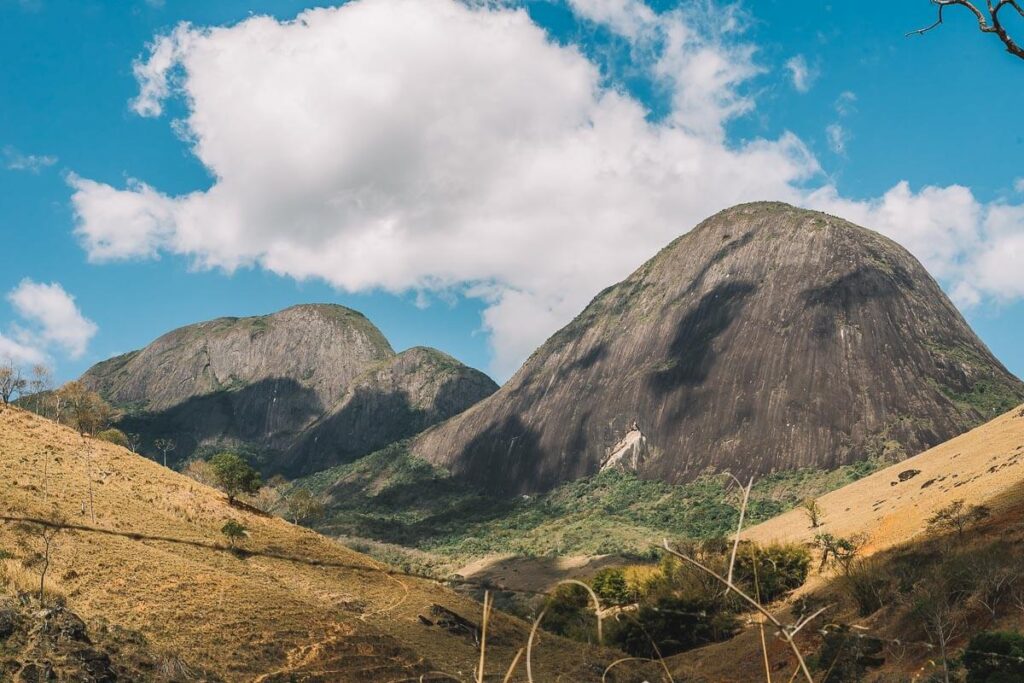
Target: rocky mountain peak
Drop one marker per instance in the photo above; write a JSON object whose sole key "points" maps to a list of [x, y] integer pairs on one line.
{"points": [[766, 338]]}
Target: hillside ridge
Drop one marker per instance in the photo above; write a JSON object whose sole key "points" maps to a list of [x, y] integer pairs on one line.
{"points": [[271, 385], [140, 548]]}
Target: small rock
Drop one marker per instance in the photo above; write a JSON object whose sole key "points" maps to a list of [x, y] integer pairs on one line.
{"points": [[64, 625], [8, 623], [36, 672], [908, 474], [96, 664]]}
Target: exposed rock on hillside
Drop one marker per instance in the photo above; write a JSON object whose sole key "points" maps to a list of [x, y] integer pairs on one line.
{"points": [[311, 382], [42, 644], [393, 400], [767, 338]]}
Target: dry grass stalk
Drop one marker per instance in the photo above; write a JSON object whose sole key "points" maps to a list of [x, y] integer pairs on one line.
{"points": [[512, 666], [488, 605], [604, 676]]}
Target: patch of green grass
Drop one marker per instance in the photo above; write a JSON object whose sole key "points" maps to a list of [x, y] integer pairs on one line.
{"points": [[394, 498]]}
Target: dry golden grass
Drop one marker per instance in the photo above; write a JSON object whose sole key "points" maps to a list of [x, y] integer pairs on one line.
{"points": [[983, 466], [297, 604]]}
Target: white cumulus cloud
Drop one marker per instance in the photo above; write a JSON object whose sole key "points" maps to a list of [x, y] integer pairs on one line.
{"points": [[53, 320], [437, 146]]}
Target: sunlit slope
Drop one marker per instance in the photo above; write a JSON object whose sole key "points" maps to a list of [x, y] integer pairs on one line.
{"points": [[154, 560], [983, 466]]}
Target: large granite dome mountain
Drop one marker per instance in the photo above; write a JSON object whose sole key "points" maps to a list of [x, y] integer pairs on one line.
{"points": [[301, 389], [768, 338]]}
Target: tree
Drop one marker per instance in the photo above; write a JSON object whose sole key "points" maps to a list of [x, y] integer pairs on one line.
{"points": [[41, 380], [957, 516], [989, 19], [812, 510], [165, 446], [234, 531], [38, 385], [134, 441], [234, 475], [303, 505], [936, 609], [45, 533], [201, 471], [85, 410], [11, 382]]}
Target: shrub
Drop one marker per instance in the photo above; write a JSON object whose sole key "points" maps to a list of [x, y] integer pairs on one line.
{"points": [[995, 657], [570, 613], [611, 586], [957, 516], [674, 624], [780, 568], [114, 436], [846, 656], [868, 584], [838, 551]]}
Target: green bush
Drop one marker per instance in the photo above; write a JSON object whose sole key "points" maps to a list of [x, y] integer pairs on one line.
{"points": [[780, 568], [675, 624], [570, 613], [995, 657], [114, 436], [611, 587]]}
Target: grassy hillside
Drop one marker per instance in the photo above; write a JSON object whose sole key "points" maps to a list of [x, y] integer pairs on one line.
{"points": [[393, 498], [140, 547], [915, 590], [892, 505]]}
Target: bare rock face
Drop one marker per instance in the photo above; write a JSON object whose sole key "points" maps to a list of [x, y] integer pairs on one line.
{"points": [[768, 338], [295, 389], [393, 400]]}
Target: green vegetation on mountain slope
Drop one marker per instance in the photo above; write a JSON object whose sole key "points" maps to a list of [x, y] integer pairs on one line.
{"points": [[391, 497]]}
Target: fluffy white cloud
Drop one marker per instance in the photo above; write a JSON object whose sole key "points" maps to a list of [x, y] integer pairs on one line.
{"points": [[53, 317], [432, 145], [975, 248], [424, 144], [801, 73], [13, 351], [33, 163]]}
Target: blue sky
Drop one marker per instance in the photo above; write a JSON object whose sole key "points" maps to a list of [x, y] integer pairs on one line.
{"points": [[873, 109]]}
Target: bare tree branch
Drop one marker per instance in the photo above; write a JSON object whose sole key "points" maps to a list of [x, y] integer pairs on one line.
{"points": [[988, 20]]}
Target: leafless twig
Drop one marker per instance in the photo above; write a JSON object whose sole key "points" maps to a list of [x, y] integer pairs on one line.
{"points": [[989, 22]]}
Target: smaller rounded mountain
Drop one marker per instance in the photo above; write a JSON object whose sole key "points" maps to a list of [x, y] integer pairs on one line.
{"points": [[768, 338], [297, 391]]}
